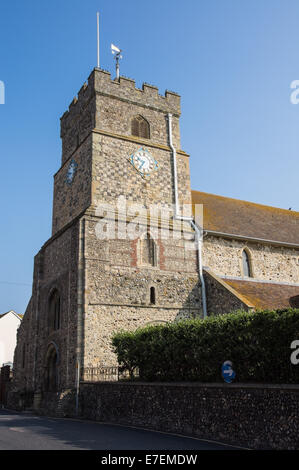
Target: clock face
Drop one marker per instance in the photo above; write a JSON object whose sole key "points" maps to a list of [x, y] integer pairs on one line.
{"points": [[143, 161], [71, 172]]}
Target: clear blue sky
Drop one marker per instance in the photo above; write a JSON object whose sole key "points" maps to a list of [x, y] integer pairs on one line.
{"points": [[232, 62]]}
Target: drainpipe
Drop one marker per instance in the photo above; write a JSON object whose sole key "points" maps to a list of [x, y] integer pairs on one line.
{"points": [[178, 216], [80, 308], [77, 386]]}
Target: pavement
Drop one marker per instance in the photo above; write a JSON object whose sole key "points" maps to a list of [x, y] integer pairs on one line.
{"points": [[26, 431]]}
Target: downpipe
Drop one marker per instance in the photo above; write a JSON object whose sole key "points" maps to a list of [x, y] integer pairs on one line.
{"points": [[178, 216]]}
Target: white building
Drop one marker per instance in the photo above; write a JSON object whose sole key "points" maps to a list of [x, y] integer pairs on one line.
{"points": [[9, 324]]}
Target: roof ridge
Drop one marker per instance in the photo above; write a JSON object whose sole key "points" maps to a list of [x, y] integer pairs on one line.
{"points": [[243, 200]]}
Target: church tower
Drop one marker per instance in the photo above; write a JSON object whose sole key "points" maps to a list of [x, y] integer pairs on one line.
{"points": [[101, 272]]}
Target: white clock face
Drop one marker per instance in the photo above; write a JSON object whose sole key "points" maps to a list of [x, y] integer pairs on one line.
{"points": [[143, 161]]}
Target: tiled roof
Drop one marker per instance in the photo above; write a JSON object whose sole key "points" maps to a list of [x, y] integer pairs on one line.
{"points": [[242, 218], [266, 295]]}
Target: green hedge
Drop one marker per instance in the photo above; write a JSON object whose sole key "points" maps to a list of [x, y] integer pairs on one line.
{"points": [[258, 344]]}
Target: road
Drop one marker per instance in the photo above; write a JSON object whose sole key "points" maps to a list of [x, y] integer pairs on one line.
{"points": [[29, 432]]}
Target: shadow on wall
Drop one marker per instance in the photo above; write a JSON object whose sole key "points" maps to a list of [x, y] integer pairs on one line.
{"points": [[294, 301]]}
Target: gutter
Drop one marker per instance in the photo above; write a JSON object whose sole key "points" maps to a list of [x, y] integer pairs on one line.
{"points": [[178, 216]]}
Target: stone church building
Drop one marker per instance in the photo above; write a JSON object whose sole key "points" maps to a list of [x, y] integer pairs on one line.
{"points": [[122, 142]]}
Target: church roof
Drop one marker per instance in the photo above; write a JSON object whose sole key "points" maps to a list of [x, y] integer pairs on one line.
{"points": [[266, 295], [247, 219]]}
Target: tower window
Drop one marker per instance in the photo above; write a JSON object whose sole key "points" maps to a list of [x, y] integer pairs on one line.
{"points": [[147, 251], [152, 295], [54, 311], [247, 272], [140, 127]]}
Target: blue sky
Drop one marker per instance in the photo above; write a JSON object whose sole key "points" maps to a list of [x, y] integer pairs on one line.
{"points": [[231, 61]]}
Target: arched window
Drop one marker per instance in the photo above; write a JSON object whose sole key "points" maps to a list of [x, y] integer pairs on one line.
{"points": [[51, 377], [140, 127], [147, 251], [247, 272], [54, 311], [152, 295]]}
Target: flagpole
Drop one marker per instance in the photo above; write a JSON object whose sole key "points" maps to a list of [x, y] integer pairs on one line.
{"points": [[98, 38]]}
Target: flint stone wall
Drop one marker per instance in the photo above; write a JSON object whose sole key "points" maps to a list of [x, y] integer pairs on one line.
{"points": [[249, 415], [268, 262]]}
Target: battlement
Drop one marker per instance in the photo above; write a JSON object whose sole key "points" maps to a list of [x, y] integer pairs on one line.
{"points": [[125, 88], [100, 82]]}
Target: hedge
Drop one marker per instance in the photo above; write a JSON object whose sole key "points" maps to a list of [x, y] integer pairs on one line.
{"points": [[258, 344]]}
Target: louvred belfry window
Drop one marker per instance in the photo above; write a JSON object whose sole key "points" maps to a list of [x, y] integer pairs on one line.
{"points": [[140, 127]]}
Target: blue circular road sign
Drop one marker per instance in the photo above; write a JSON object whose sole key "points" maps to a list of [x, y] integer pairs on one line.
{"points": [[227, 372]]}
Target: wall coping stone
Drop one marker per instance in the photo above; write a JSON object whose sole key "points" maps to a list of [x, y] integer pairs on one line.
{"points": [[260, 386]]}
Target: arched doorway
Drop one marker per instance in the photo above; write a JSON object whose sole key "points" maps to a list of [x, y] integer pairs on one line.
{"points": [[51, 372]]}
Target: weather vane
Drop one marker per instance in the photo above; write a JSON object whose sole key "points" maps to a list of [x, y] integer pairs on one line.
{"points": [[115, 50]]}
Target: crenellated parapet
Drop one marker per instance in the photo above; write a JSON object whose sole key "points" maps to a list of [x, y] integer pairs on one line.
{"points": [[125, 89], [102, 103]]}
